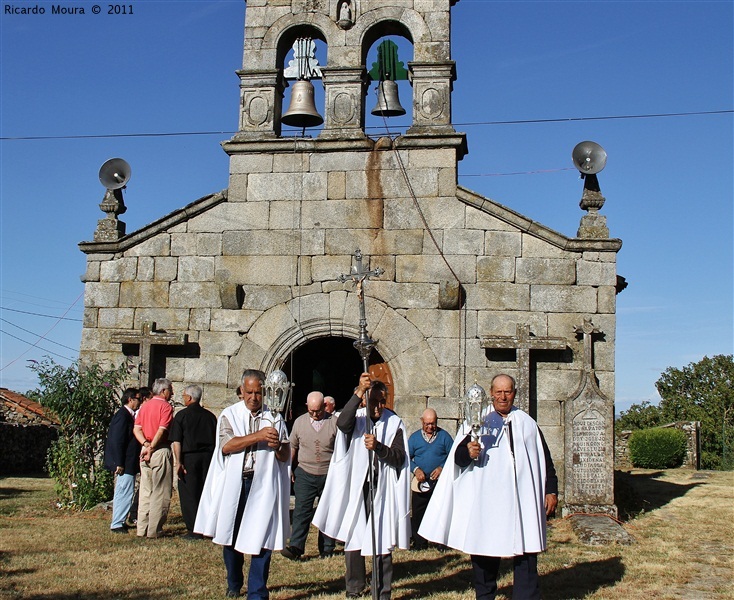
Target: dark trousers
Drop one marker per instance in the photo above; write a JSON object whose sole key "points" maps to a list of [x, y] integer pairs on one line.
{"points": [[257, 579], [526, 584], [191, 485], [356, 577], [307, 488], [418, 504]]}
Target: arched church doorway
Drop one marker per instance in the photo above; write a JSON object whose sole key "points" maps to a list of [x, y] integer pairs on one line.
{"points": [[330, 365]]}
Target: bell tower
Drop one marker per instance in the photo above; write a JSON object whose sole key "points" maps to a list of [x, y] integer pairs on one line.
{"points": [[345, 31]]}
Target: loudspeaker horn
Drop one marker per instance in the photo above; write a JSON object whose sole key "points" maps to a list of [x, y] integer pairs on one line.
{"points": [[589, 157], [115, 173]]}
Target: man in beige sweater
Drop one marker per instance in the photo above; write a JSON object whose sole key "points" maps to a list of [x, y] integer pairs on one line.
{"points": [[312, 444]]}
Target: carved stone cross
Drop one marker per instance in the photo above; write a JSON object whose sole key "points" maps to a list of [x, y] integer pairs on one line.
{"points": [[523, 342], [146, 340]]}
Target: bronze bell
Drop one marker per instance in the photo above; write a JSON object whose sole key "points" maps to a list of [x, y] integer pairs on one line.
{"points": [[388, 102], [302, 111]]}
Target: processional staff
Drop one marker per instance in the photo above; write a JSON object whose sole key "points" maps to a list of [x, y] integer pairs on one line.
{"points": [[364, 345]]}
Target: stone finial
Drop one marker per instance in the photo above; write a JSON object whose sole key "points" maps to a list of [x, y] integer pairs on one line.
{"points": [[593, 225], [110, 228]]}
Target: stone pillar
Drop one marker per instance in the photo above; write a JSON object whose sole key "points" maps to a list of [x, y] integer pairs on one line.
{"points": [[344, 102], [431, 97], [261, 94]]}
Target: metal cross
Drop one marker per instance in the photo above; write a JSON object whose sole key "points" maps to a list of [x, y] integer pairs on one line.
{"points": [[146, 340], [358, 275]]}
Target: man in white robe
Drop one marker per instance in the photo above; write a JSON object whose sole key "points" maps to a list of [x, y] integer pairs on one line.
{"points": [[493, 503], [344, 511], [245, 503]]}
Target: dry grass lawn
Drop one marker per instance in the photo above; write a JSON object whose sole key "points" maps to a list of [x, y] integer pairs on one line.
{"points": [[682, 522]]}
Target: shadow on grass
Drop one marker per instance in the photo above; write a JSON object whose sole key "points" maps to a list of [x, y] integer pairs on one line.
{"points": [[580, 580], [149, 594], [636, 493]]}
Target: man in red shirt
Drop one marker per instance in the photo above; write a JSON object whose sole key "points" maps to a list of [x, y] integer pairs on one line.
{"points": [[156, 461]]}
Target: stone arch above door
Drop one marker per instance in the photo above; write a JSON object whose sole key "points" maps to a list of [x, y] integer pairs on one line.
{"points": [[285, 327]]}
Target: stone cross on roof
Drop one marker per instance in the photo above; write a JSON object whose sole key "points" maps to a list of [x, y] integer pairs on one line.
{"points": [[523, 342], [146, 340]]}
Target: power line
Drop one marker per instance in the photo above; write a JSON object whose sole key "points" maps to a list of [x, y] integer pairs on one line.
{"points": [[37, 335], [35, 346], [25, 312], [466, 124]]}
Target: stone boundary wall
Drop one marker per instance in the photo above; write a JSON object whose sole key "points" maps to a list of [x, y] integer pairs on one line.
{"points": [[693, 455]]}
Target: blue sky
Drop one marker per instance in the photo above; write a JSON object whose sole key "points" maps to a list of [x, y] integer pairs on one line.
{"points": [[169, 68]]}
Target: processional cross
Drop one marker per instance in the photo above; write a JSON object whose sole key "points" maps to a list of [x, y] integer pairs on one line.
{"points": [[146, 340], [359, 275]]}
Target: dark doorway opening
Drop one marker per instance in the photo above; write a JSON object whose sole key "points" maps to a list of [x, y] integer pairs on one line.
{"points": [[328, 365]]}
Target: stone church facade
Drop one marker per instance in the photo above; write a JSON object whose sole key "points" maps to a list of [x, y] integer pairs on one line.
{"points": [[247, 277]]}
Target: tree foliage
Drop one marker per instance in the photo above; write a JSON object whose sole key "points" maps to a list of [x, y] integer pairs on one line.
{"points": [[83, 398], [701, 391]]}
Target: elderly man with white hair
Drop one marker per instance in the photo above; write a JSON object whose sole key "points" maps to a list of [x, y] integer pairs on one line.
{"points": [[312, 444]]}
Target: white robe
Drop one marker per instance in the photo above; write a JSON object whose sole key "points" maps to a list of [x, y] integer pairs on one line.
{"points": [[265, 521], [495, 506], [341, 512]]}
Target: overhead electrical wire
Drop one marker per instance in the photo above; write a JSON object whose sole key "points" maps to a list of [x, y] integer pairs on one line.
{"points": [[25, 312], [33, 345], [466, 124], [38, 335]]}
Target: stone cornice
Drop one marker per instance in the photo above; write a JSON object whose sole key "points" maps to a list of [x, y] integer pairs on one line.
{"points": [[534, 228], [164, 223]]}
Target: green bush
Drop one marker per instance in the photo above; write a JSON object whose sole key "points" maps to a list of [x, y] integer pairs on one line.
{"points": [[657, 448]]}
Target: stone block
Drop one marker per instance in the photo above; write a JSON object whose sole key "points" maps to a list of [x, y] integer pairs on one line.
{"points": [[420, 268], [440, 213], [166, 268], [208, 244], [563, 298], [466, 241], [397, 333], [229, 216], [92, 271], [336, 185], [607, 299], [600, 256], [260, 270], [553, 271], [503, 243], [263, 297], [90, 318], [195, 268], [159, 245], [226, 343], [291, 162], [269, 242], [251, 163], [447, 182], [534, 247], [495, 268], [200, 319], [206, 369], [347, 162], [328, 268], [491, 323], [233, 320], [121, 269], [166, 319], [175, 371], [146, 268], [264, 187], [498, 296], [554, 386], [286, 214], [411, 409], [478, 219], [405, 295], [417, 373], [548, 414], [98, 340], [429, 158], [237, 188], [183, 244], [596, 273], [332, 214], [100, 294], [271, 325], [116, 318], [250, 356], [371, 242], [444, 323], [307, 309], [195, 294]]}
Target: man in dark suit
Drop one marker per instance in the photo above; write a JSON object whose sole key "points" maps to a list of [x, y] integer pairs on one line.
{"points": [[122, 456], [193, 433]]}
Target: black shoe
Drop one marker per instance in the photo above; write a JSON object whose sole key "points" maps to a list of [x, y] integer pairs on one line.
{"points": [[326, 555], [291, 553], [119, 530], [233, 594], [193, 536]]}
